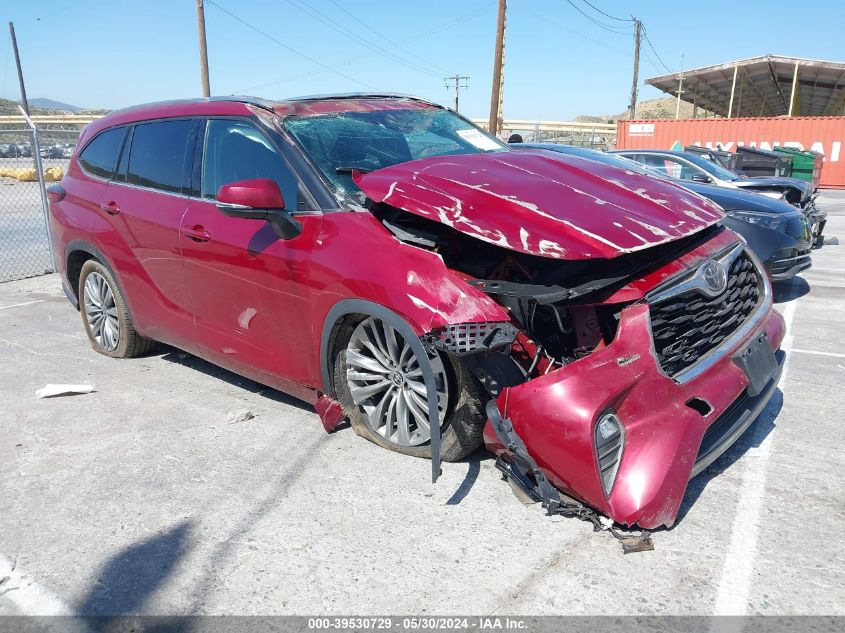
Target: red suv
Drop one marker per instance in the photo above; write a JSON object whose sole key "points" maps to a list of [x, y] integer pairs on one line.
{"points": [[385, 259]]}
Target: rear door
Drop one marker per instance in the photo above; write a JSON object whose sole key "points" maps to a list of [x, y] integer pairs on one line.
{"points": [[144, 210], [85, 184], [249, 288]]}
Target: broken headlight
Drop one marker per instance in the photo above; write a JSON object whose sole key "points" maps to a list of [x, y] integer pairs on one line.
{"points": [[609, 439]]}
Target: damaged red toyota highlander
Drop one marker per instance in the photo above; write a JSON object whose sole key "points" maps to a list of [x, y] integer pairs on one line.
{"points": [[386, 260]]}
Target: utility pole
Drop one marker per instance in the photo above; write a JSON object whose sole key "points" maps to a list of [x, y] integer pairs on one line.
{"points": [[495, 121], [206, 90], [24, 102], [638, 34], [680, 90], [455, 82]]}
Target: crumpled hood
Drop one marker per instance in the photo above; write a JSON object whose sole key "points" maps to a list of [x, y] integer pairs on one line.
{"points": [[740, 200], [757, 182], [543, 203]]}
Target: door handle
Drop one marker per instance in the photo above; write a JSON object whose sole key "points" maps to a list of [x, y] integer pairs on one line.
{"points": [[110, 207], [197, 233]]}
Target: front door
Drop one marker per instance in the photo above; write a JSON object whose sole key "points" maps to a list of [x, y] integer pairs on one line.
{"points": [[248, 287]]}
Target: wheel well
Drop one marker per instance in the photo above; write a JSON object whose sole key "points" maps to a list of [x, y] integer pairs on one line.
{"points": [[334, 344], [75, 261]]}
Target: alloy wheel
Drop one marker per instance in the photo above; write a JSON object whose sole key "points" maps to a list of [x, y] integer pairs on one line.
{"points": [[385, 379], [101, 312]]}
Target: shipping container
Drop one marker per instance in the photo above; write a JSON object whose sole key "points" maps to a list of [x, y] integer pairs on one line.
{"points": [[825, 135]]}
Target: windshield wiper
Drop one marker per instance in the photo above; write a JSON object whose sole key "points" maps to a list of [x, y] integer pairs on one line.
{"points": [[349, 170]]}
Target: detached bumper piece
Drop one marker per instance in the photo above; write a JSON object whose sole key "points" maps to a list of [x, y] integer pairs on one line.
{"points": [[817, 218], [788, 262], [524, 472]]}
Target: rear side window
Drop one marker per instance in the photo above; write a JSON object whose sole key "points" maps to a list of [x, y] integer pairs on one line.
{"points": [[157, 155], [100, 155]]}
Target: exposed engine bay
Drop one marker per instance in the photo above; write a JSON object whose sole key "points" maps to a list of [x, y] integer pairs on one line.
{"points": [[556, 305]]}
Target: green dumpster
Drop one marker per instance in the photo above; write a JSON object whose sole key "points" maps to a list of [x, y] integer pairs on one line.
{"points": [[806, 164]]}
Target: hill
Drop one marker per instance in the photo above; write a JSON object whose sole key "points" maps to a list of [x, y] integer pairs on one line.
{"points": [[50, 104], [650, 109]]}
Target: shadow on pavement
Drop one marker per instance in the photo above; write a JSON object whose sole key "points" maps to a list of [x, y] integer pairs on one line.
{"points": [[129, 578], [185, 359], [790, 289]]}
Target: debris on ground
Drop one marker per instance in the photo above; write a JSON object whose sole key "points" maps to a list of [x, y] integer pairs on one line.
{"points": [[53, 391], [330, 412], [240, 415]]}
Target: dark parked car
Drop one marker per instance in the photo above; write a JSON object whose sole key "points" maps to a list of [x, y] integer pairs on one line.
{"points": [[777, 232], [52, 151], [689, 166], [385, 259]]}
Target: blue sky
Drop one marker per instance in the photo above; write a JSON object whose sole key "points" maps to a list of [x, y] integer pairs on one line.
{"points": [[113, 53]]}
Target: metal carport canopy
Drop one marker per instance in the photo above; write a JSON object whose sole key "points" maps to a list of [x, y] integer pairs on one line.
{"points": [[762, 86]]}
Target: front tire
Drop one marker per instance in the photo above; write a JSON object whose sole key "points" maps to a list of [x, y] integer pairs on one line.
{"points": [[378, 381], [105, 316]]}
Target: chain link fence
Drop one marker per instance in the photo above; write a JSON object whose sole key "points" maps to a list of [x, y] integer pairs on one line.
{"points": [[25, 249]]}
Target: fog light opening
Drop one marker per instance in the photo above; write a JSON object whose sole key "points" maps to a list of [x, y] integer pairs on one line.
{"points": [[609, 439], [700, 405]]}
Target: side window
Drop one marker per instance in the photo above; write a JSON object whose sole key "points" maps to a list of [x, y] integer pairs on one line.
{"points": [[99, 156], [235, 150], [679, 169], [157, 156], [656, 162]]}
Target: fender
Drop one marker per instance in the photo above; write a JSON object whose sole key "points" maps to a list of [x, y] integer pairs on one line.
{"points": [[368, 308], [88, 247]]}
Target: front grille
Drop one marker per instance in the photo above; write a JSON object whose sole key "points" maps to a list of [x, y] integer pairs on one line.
{"points": [[688, 326]]}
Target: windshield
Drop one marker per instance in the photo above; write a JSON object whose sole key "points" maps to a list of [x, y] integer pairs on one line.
{"points": [[366, 141], [711, 168]]}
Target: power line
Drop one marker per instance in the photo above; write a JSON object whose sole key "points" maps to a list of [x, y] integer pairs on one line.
{"points": [[387, 39], [651, 46], [351, 35], [652, 61], [288, 48], [606, 27], [607, 15], [478, 11], [557, 25]]}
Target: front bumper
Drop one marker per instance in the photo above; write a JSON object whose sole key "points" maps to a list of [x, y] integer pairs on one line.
{"points": [[664, 433], [788, 262]]}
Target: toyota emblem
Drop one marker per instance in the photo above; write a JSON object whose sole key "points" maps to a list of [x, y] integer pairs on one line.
{"points": [[715, 277]]}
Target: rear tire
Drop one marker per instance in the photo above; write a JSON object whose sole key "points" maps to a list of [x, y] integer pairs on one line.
{"points": [[378, 417], [104, 314]]}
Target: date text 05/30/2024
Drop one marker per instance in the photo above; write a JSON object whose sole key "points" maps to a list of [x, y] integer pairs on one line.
{"points": [[418, 623]]}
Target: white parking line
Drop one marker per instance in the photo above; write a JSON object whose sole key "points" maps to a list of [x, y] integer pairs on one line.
{"points": [[18, 305], [738, 566], [28, 596], [817, 353]]}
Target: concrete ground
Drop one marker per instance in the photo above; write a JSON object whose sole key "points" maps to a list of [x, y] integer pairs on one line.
{"points": [[144, 497]]}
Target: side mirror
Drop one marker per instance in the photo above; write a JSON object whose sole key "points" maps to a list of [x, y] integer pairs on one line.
{"points": [[701, 178], [258, 199]]}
